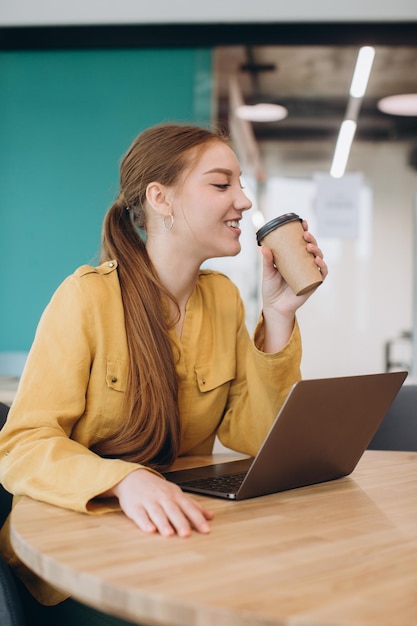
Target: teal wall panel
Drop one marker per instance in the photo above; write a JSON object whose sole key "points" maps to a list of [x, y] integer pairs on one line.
{"points": [[66, 117]]}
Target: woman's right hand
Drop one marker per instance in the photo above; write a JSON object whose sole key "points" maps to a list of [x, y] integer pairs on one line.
{"points": [[157, 505]]}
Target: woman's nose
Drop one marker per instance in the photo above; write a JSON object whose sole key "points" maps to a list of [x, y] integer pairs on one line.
{"points": [[242, 202]]}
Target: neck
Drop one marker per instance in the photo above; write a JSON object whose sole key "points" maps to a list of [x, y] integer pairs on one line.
{"points": [[176, 272]]}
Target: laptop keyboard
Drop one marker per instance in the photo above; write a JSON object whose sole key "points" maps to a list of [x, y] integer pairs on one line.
{"points": [[225, 484]]}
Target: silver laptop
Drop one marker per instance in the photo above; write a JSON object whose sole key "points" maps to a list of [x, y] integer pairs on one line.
{"points": [[320, 433]]}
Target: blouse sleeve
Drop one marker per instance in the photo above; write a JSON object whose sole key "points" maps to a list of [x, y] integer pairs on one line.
{"points": [[259, 389], [39, 456]]}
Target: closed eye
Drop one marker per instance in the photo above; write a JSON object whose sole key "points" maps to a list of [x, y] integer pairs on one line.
{"points": [[221, 186]]}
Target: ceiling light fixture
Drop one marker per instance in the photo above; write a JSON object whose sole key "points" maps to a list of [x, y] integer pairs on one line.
{"points": [[362, 72], [262, 112], [357, 91], [343, 145], [402, 104]]}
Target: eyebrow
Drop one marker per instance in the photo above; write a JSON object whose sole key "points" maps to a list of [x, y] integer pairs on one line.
{"points": [[220, 170]]}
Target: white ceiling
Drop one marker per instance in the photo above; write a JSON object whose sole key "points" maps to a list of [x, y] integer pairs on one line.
{"points": [[41, 12]]}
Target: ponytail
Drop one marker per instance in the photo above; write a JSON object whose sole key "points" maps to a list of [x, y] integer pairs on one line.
{"points": [[151, 430], [150, 433]]}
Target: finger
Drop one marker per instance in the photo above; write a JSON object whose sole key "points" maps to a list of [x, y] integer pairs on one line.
{"points": [[322, 266], [207, 514], [186, 513], [309, 238], [269, 267], [179, 521], [160, 519], [315, 250], [197, 515], [141, 519], [267, 255]]}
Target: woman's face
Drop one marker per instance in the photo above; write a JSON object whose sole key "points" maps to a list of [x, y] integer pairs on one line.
{"points": [[209, 204]]}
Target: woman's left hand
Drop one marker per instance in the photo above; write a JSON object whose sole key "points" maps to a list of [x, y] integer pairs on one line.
{"points": [[276, 293], [279, 301]]}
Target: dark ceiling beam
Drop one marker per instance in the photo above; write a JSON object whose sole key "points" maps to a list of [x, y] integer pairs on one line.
{"points": [[299, 107], [206, 35], [330, 132]]}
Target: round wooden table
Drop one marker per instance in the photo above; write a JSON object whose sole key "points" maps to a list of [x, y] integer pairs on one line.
{"points": [[342, 552]]}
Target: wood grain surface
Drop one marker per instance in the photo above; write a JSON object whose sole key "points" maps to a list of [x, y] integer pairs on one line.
{"points": [[343, 552]]}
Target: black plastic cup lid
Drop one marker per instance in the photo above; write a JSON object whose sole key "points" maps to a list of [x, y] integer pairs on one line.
{"points": [[273, 224]]}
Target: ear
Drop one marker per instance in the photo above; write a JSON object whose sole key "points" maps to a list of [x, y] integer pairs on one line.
{"points": [[158, 198]]}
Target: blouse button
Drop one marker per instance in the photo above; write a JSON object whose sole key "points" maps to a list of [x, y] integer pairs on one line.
{"points": [[111, 264], [114, 379]]}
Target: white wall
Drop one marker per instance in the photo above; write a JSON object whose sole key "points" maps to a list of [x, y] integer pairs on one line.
{"points": [[36, 12], [367, 298]]}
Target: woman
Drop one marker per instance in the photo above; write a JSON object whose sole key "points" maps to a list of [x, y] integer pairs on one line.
{"points": [[147, 356]]}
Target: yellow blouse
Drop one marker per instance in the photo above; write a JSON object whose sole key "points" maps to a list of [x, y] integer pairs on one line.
{"points": [[71, 391]]}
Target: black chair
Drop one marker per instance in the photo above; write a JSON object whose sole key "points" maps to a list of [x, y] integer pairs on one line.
{"points": [[4, 410], [5, 496], [398, 430], [11, 611]]}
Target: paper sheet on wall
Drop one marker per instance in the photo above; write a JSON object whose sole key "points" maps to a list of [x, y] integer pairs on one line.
{"points": [[337, 205]]}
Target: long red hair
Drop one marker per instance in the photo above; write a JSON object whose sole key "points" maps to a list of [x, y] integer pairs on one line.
{"points": [[151, 430]]}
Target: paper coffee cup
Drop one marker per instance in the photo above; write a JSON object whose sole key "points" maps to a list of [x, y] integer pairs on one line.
{"points": [[284, 237]]}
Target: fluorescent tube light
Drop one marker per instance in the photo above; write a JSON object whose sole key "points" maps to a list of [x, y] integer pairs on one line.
{"points": [[362, 71], [347, 130], [343, 145]]}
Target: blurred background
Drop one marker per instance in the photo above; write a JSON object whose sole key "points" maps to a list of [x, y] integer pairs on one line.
{"points": [[78, 83], [360, 320]]}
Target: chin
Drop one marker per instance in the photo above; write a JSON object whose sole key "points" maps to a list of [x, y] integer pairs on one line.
{"points": [[234, 250], [227, 251]]}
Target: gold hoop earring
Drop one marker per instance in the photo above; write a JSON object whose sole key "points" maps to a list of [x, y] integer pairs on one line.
{"points": [[171, 221]]}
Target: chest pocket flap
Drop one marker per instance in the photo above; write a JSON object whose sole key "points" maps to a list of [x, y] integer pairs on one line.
{"points": [[209, 378], [116, 374]]}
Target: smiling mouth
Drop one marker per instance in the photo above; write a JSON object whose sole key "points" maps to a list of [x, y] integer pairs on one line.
{"points": [[233, 224]]}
